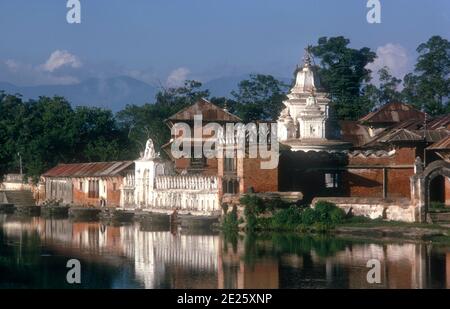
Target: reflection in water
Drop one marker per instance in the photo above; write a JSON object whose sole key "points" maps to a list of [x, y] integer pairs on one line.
{"points": [[34, 252]]}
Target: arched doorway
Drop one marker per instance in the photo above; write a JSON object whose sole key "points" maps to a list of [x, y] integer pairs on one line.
{"points": [[436, 192], [428, 185]]}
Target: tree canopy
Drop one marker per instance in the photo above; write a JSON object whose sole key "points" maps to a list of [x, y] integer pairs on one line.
{"points": [[428, 87], [48, 131], [343, 72]]}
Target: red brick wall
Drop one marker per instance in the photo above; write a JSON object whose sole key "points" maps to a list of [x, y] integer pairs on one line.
{"points": [[184, 163], [251, 175], [369, 182]]}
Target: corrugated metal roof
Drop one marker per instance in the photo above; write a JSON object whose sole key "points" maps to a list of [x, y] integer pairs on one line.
{"points": [[94, 169], [443, 144], [209, 112], [439, 122], [401, 135], [392, 113]]}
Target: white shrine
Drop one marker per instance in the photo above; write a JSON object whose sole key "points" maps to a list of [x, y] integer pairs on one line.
{"points": [[307, 123], [154, 186]]}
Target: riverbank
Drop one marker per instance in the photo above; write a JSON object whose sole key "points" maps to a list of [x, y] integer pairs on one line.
{"points": [[259, 215], [390, 230]]}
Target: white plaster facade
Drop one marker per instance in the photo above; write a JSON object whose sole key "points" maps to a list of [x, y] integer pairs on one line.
{"points": [[308, 122], [155, 187]]}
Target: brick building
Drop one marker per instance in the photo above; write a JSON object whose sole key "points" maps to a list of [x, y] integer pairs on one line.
{"points": [[394, 156], [96, 184], [235, 175]]}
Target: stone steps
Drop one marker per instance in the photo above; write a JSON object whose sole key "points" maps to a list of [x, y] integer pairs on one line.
{"points": [[440, 217], [20, 198]]}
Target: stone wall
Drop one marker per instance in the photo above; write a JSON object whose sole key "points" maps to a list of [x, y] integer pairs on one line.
{"points": [[375, 208]]}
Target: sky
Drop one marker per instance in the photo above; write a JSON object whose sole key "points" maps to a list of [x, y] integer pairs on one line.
{"points": [[167, 41]]}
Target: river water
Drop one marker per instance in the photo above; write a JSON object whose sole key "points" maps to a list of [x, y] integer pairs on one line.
{"points": [[34, 253]]}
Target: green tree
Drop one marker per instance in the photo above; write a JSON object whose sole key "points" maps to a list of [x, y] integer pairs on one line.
{"points": [[343, 71], [99, 136], [47, 135], [259, 98], [386, 92], [48, 131], [389, 86], [12, 115], [429, 86]]}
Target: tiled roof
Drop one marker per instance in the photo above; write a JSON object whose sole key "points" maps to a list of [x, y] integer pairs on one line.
{"points": [[94, 169], [392, 113], [209, 112]]}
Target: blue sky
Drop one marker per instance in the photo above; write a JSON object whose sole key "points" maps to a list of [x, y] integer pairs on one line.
{"points": [[169, 40]]}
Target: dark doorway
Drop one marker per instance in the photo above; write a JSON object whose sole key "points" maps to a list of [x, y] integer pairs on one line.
{"points": [[437, 190]]}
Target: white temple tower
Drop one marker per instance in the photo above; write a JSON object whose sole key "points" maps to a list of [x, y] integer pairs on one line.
{"points": [[308, 123]]}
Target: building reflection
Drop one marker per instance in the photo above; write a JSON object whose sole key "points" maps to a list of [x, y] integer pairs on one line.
{"points": [[163, 259]]}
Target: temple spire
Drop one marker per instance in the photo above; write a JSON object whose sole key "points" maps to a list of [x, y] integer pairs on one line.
{"points": [[307, 58]]}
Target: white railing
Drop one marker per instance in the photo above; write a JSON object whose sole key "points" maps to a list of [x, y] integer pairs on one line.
{"points": [[186, 182]]}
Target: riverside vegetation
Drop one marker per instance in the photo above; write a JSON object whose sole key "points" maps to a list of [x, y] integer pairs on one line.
{"points": [[277, 215]]}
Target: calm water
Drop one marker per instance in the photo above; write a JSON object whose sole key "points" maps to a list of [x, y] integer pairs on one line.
{"points": [[34, 253]]}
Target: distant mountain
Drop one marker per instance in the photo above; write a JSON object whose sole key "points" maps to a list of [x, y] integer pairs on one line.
{"points": [[113, 93], [116, 92], [222, 87]]}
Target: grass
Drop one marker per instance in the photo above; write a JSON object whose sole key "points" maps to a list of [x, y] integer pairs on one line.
{"points": [[366, 222]]}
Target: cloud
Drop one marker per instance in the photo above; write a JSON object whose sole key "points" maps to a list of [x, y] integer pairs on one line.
{"points": [[12, 65], [20, 73], [148, 76], [61, 58], [177, 77], [395, 57]]}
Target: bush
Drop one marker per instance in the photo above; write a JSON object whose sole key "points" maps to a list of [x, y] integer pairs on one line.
{"points": [[287, 218], [323, 217], [253, 204], [329, 213], [230, 221], [309, 216]]}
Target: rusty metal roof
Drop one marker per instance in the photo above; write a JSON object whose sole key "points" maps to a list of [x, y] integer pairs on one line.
{"points": [[94, 169], [401, 135], [209, 112], [439, 122], [406, 135], [392, 113], [443, 144]]}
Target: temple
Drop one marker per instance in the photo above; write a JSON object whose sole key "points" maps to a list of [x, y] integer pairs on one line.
{"points": [[392, 163], [308, 121]]}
